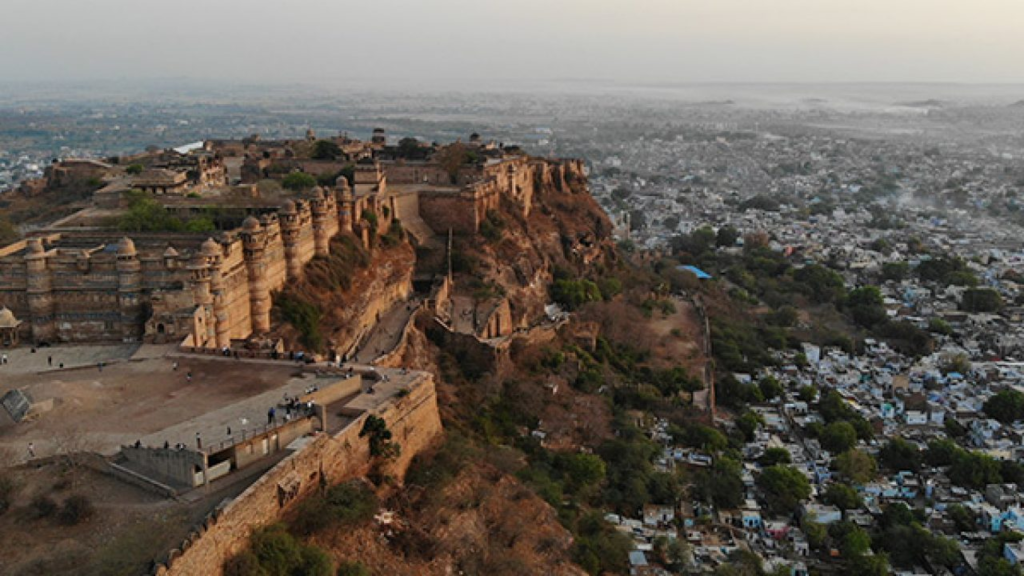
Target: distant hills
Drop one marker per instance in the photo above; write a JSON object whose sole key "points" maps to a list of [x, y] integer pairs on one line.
{"points": [[930, 103]]}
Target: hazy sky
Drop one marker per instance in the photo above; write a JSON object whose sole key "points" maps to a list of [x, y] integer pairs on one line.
{"points": [[478, 40]]}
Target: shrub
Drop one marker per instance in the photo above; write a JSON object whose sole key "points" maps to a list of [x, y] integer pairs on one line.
{"points": [[275, 552], [7, 489], [376, 429], [492, 227], [574, 293], [314, 562], [304, 316], [76, 509], [352, 569], [43, 506], [244, 564], [146, 214], [371, 219], [599, 548], [394, 236], [346, 504]]}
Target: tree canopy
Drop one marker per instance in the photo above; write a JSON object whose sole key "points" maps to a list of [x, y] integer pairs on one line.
{"points": [[1005, 406], [783, 487]]}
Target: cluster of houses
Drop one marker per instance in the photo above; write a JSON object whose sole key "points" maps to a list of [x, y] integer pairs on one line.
{"points": [[899, 398]]}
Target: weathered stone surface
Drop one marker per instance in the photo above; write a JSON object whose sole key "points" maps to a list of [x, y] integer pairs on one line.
{"points": [[414, 421]]}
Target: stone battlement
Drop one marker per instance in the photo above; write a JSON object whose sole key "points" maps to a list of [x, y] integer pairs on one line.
{"points": [[90, 284]]}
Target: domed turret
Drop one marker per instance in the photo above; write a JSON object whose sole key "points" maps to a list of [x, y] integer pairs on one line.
{"points": [[343, 186], [288, 207], [126, 247], [7, 319], [251, 224], [211, 248], [170, 252]]}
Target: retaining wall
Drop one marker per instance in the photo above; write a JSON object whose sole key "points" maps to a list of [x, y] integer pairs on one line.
{"points": [[413, 419]]}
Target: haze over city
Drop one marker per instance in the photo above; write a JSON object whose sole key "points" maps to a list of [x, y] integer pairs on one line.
{"points": [[434, 41]]}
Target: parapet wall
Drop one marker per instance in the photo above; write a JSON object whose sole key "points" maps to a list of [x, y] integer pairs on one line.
{"points": [[415, 423]]}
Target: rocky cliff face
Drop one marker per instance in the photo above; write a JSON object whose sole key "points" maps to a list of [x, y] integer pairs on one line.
{"points": [[517, 256], [462, 510]]}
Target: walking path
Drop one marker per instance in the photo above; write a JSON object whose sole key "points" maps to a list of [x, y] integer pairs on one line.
{"points": [[387, 333]]}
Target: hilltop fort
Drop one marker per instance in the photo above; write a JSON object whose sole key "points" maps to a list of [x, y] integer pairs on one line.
{"points": [[190, 244], [280, 300]]}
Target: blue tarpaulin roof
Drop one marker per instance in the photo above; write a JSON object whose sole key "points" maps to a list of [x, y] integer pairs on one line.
{"points": [[697, 271]]}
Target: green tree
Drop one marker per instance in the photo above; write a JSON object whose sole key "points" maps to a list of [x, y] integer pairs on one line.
{"points": [[940, 326], [852, 539], [412, 149], [727, 236], [981, 300], [895, 271], [600, 548], [874, 565], [451, 158], [298, 181], [325, 150], [839, 437], [842, 496], [722, 485], [898, 455], [1005, 406], [964, 519], [574, 293], [696, 243], [974, 470], [748, 424], [807, 393], [381, 446], [856, 466], [773, 456], [583, 471], [770, 388], [820, 283], [865, 296], [783, 488], [865, 305], [817, 533]]}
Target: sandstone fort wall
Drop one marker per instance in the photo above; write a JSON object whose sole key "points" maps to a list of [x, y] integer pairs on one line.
{"points": [[415, 423]]}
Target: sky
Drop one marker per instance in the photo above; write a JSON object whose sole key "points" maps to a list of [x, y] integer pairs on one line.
{"points": [[470, 42]]}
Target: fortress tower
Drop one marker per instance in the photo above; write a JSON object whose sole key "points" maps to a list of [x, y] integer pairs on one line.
{"points": [[202, 296], [129, 286], [325, 222], [289, 218], [39, 293], [254, 244], [214, 255], [346, 204]]}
